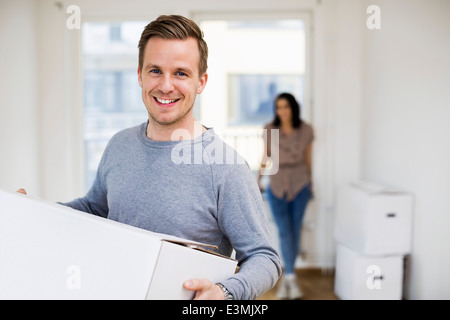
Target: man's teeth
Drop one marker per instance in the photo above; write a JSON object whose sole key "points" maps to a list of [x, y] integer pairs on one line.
{"points": [[165, 101]]}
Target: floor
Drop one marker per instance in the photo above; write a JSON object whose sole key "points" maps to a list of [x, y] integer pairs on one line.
{"points": [[316, 284]]}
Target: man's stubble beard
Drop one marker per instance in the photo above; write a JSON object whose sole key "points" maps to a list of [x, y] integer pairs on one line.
{"points": [[171, 122]]}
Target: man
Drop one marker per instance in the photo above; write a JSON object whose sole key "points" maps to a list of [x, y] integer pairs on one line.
{"points": [[174, 176]]}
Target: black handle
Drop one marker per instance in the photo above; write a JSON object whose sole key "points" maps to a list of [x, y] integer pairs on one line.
{"points": [[391, 215]]}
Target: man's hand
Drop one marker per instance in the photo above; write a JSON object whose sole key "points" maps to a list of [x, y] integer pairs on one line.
{"points": [[205, 289], [21, 190]]}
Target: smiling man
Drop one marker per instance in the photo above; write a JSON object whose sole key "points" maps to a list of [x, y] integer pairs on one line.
{"points": [[214, 201], [170, 77]]}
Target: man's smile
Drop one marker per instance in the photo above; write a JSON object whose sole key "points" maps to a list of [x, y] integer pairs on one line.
{"points": [[166, 102]]}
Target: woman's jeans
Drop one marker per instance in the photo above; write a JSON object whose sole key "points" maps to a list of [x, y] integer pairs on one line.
{"points": [[288, 216]]}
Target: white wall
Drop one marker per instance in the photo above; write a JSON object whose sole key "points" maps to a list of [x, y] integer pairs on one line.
{"points": [[60, 96], [19, 116], [406, 116], [337, 108]]}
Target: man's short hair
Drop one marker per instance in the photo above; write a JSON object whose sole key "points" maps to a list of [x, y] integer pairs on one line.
{"points": [[174, 27]]}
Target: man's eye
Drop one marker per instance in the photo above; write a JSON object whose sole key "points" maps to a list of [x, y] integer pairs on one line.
{"points": [[155, 71], [181, 74]]}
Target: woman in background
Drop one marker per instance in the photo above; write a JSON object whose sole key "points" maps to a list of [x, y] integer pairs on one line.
{"points": [[290, 188]]}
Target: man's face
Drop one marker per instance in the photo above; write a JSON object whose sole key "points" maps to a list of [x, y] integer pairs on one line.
{"points": [[170, 80]]}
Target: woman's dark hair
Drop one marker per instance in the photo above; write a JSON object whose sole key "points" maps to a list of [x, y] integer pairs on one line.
{"points": [[295, 110]]}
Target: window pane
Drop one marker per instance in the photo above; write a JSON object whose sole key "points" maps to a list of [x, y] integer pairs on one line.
{"points": [[112, 96], [252, 96]]}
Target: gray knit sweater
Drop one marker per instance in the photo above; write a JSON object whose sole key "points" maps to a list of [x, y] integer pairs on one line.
{"points": [[200, 190]]}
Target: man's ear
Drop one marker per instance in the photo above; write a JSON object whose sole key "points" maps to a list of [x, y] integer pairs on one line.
{"points": [[202, 83], [139, 76]]}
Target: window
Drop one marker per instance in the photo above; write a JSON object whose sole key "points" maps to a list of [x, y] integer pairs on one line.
{"points": [[250, 62], [112, 96], [252, 96]]}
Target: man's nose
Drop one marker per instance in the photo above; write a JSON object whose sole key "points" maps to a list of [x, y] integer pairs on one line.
{"points": [[166, 84]]}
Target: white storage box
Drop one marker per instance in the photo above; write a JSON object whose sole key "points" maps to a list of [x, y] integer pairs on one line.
{"points": [[49, 251], [360, 277], [374, 220]]}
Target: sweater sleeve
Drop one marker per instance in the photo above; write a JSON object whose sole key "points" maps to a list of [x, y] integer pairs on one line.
{"points": [[95, 201], [244, 221]]}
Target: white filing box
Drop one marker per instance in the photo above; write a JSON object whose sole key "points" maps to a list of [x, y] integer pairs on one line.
{"points": [[49, 251], [374, 220], [362, 277]]}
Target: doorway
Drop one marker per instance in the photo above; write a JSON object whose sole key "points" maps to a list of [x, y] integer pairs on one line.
{"points": [[253, 58]]}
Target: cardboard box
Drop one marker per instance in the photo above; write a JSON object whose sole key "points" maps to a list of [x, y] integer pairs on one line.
{"points": [[374, 220], [362, 277], [50, 251]]}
